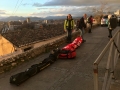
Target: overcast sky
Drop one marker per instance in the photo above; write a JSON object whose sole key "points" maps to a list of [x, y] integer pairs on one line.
{"points": [[43, 8]]}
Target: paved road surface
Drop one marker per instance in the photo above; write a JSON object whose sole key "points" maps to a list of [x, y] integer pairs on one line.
{"points": [[65, 74]]}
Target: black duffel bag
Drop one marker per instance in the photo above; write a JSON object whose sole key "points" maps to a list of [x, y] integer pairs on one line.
{"points": [[34, 69], [18, 78]]}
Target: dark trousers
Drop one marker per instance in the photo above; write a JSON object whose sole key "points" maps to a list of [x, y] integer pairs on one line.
{"points": [[82, 32], [119, 22], [110, 33], [89, 31], [69, 35]]}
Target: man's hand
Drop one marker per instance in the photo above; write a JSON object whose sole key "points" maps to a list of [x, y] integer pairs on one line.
{"points": [[65, 30], [73, 30]]}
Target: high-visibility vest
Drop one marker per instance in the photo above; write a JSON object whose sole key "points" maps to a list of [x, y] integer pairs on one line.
{"points": [[66, 24]]}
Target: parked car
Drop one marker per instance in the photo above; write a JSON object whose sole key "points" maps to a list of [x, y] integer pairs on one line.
{"points": [[104, 20]]}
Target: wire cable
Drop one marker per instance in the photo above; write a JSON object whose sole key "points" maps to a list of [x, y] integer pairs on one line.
{"points": [[15, 7]]}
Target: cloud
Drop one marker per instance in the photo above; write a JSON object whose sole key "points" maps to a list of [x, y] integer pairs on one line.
{"points": [[2, 12], [68, 3], [37, 4], [62, 3], [84, 4], [74, 2], [74, 7], [25, 4], [75, 11]]}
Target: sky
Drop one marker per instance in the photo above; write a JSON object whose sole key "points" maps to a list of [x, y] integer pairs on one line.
{"points": [[44, 8]]}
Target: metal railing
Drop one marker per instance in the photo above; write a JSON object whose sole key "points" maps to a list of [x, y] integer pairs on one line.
{"points": [[113, 50]]}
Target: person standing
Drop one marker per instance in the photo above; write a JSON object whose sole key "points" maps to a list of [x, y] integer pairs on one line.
{"points": [[90, 23], [119, 22], [68, 27], [112, 24], [82, 25]]}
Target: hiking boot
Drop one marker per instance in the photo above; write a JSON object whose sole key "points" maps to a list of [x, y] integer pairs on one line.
{"points": [[83, 41], [90, 32], [69, 42], [109, 36]]}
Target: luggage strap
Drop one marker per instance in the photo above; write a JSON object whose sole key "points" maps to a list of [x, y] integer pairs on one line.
{"points": [[68, 53]]}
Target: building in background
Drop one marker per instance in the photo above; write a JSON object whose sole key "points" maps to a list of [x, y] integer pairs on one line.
{"points": [[6, 47], [14, 24], [28, 20]]}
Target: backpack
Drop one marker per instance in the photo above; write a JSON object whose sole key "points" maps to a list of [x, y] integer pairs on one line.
{"points": [[113, 22]]}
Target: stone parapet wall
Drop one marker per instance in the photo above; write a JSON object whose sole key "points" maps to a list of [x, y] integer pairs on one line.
{"points": [[12, 62]]}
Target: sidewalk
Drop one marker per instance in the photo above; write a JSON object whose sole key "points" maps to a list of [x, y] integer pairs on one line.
{"points": [[65, 74]]}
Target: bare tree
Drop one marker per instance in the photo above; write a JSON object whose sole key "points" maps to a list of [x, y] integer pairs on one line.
{"points": [[99, 11]]}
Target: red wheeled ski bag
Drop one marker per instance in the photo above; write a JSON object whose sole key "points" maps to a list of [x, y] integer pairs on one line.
{"points": [[78, 41], [68, 51]]}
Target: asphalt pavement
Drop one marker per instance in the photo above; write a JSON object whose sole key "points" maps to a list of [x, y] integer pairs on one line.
{"points": [[66, 74]]}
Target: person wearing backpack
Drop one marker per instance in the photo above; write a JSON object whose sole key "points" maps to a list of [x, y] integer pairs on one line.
{"points": [[112, 24], [81, 25], [68, 27], [89, 23]]}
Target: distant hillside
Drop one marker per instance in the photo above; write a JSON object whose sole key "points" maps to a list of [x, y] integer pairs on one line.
{"points": [[55, 17], [16, 18]]}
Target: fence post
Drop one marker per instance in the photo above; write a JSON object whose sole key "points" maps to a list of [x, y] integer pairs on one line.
{"points": [[95, 69]]}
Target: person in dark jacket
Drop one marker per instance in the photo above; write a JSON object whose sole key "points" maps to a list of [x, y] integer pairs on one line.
{"points": [[82, 24], [119, 22], [112, 24], [68, 27], [89, 23]]}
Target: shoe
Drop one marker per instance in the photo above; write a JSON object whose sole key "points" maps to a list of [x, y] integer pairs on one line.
{"points": [[89, 32], [69, 42], [109, 36], [83, 41]]}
